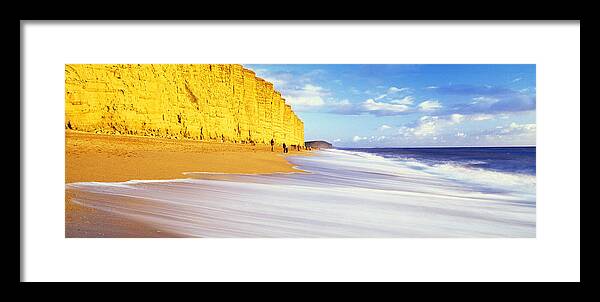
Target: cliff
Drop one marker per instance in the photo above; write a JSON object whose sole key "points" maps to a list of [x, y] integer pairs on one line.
{"points": [[318, 144], [216, 102]]}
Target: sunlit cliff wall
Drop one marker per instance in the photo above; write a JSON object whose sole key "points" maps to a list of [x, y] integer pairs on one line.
{"points": [[222, 102]]}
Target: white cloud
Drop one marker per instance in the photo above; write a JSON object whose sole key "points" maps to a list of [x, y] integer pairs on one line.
{"points": [[307, 97], [393, 89], [481, 117], [515, 128], [337, 140], [313, 88], [448, 130], [339, 103], [368, 139], [428, 125], [456, 118], [431, 125], [407, 100], [371, 105], [522, 127], [430, 105], [513, 134], [516, 80], [483, 100], [381, 97], [305, 101], [357, 138], [384, 127], [431, 87]]}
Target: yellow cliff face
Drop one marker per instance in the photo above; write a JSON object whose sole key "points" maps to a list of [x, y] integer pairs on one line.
{"points": [[218, 102]]}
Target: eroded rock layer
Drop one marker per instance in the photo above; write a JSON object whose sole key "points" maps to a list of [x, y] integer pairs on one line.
{"points": [[222, 102]]}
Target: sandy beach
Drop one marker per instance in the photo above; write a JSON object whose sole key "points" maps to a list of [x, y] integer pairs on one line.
{"points": [[116, 158], [344, 194], [128, 187], [111, 158]]}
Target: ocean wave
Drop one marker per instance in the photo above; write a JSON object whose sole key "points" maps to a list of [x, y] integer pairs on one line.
{"points": [[463, 171]]}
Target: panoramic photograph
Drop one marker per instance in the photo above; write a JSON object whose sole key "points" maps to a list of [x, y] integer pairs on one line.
{"points": [[300, 150]]}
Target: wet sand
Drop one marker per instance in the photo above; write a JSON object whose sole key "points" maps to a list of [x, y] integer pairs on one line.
{"points": [[116, 158], [87, 222]]}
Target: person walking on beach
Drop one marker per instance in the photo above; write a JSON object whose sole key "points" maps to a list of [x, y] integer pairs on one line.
{"points": [[272, 144], [284, 148]]}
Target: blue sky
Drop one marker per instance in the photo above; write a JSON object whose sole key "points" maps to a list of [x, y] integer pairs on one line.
{"points": [[410, 105]]}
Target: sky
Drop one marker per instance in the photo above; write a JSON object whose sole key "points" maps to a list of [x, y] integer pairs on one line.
{"points": [[410, 105]]}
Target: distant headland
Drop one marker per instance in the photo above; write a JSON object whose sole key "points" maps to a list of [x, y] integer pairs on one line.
{"points": [[318, 144]]}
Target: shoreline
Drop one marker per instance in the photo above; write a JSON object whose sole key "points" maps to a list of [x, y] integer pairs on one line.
{"points": [[91, 157], [338, 198]]}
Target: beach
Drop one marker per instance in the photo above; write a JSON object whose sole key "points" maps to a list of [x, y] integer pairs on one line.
{"points": [[340, 193], [101, 157], [91, 157]]}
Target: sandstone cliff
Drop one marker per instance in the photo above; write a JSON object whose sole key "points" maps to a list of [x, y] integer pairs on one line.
{"points": [[223, 102]]}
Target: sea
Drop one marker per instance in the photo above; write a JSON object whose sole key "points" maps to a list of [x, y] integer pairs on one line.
{"points": [[519, 160], [360, 193]]}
